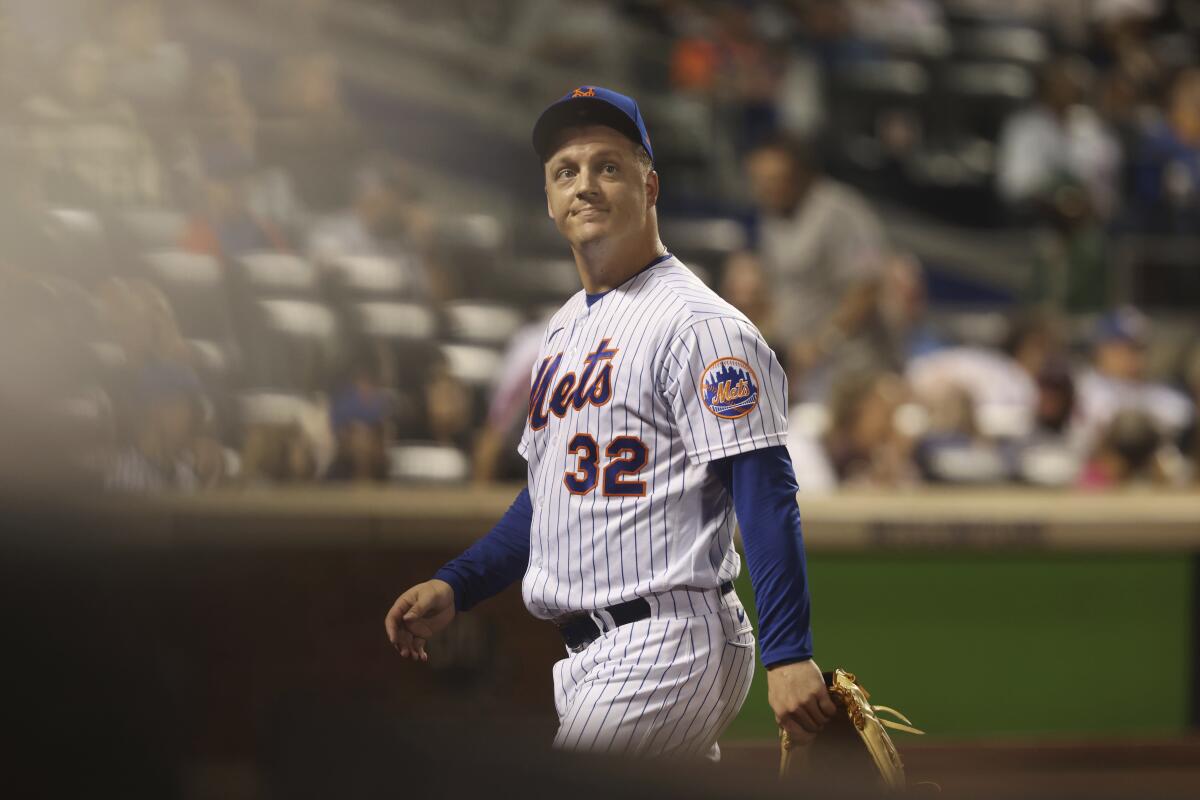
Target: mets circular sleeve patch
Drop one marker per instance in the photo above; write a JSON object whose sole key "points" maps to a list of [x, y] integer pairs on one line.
{"points": [[729, 388]]}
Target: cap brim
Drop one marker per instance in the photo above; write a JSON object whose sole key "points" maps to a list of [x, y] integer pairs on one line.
{"points": [[575, 112]]}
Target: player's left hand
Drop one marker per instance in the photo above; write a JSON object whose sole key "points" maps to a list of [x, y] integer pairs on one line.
{"points": [[800, 700]]}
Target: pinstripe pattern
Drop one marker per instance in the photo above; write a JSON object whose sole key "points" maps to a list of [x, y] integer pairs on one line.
{"points": [[591, 550], [665, 686], [669, 684]]}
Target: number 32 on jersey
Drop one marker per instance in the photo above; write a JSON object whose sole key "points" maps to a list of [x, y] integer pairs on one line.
{"points": [[625, 456]]}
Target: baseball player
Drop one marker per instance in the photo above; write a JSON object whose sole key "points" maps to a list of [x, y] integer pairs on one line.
{"points": [[656, 415]]}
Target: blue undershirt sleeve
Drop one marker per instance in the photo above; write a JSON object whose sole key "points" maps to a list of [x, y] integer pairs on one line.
{"points": [[494, 562], [763, 486]]}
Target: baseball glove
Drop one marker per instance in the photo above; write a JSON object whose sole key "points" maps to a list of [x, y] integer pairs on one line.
{"points": [[864, 718]]}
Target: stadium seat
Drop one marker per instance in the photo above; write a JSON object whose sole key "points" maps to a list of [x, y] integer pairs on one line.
{"points": [[299, 318], [981, 96], [368, 276], [395, 321], [293, 344], [545, 280], [154, 228], [1049, 465], [966, 463], [181, 268], [470, 246], [474, 365], [482, 322], [108, 355], [273, 408], [195, 286], [1003, 43], [866, 94], [278, 274], [214, 359], [421, 462], [77, 222], [704, 244], [85, 250]]}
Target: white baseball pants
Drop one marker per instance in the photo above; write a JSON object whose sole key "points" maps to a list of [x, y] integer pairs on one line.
{"points": [[668, 685]]}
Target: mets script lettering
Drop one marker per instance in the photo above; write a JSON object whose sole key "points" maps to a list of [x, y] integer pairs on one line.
{"points": [[728, 391], [593, 385]]}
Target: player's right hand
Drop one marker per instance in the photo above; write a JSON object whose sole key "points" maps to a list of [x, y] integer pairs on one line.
{"points": [[417, 615]]}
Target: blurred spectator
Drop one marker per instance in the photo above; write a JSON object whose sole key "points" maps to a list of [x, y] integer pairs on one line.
{"points": [[226, 125], [141, 322], [588, 36], [1060, 141], [1000, 386], [1128, 452], [1122, 31], [386, 219], [148, 69], [1191, 439], [495, 454], [223, 224], [903, 310], [808, 424], [1072, 268], [28, 240], [1116, 381], [88, 141], [995, 387], [1167, 169], [822, 248], [727, 61], [448, 409], [826, 30], [167, 450], [1055, 401], [744, 284], [277, 454], [224, 132], [359, 414], [310, 132], [864, 444]]}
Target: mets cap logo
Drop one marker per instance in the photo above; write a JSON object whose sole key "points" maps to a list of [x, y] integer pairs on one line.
{"points": [[584, 91], [729, 388]]}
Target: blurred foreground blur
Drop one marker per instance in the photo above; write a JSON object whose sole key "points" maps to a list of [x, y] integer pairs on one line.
{"points": [[233, 646]]}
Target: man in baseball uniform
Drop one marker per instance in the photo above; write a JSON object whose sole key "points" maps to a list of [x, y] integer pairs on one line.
{"points": [[657, 415]]}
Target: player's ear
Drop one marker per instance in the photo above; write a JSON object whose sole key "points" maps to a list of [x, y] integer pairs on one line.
{"points": [[549, 208], [651, 188]]}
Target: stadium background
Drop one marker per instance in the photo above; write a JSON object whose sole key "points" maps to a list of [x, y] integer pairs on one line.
{"points": [[270, 272]]}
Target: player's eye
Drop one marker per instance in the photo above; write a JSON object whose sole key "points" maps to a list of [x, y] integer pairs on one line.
{"points": [[565, 172], [609, 169]]}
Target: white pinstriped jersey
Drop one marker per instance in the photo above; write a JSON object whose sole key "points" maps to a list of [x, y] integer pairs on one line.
{"points": [[631, 398]]}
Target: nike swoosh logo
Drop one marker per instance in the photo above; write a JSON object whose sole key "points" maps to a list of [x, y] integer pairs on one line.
{"points": [[741, 615]]}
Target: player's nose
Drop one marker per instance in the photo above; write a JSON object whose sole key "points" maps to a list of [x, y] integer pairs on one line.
{"points": [[588, 184]]}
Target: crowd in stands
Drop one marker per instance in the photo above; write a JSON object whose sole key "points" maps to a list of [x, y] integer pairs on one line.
{"points": [[213, 274]]}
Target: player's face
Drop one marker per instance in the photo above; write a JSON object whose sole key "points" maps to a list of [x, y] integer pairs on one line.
{"points": [[595, 187], [773, 181]]}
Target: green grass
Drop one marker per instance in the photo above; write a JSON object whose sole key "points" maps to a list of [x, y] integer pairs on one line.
{"points": [[981, 645]]}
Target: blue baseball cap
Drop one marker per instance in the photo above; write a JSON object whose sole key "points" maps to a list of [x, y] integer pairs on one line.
{"points": [[590, 105], [1125, 324]]}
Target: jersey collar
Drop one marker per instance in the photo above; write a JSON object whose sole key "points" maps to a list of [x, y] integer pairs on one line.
{"points": [[592, 299]]}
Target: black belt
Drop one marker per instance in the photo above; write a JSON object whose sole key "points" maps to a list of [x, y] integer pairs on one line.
{"points": [[580, 629]]}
